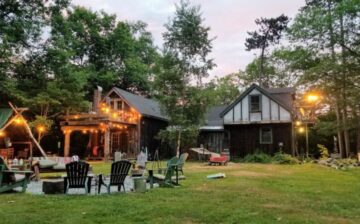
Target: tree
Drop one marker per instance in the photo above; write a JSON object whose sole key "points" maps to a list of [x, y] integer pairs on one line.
{"points": [[20, 27], [224, 90], [328, 28], [112, 52], [269, 33], [186, 48], [189, 40]]}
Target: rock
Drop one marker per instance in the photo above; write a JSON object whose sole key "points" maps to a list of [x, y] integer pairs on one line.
{"points": [[334, 166]]}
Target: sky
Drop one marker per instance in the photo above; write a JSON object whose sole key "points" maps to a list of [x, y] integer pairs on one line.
{"points": [[229, 20]]}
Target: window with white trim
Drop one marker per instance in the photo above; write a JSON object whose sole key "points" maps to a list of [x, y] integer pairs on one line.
{"points": [[255, 105], [266, 136]]}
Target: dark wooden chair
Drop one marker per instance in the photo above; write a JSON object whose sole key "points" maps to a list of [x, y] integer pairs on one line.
{"points": [[119, 171], [77, 176], [10, 179]]}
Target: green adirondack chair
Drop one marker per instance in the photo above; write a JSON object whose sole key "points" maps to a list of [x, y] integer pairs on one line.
{"points": [[183, 157], [167, 179], [10, 179]]}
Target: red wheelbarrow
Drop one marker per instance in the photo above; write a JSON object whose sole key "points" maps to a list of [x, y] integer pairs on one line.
{"points": [[218, 160]]}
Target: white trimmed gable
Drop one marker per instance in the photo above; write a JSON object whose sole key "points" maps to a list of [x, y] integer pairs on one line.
{"points": [[256, 105]]}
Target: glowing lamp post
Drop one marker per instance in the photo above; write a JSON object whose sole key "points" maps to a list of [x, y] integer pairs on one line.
{"points": [[311, 99]]}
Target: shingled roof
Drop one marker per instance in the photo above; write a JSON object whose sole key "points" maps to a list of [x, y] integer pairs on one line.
{"points": [[284, 95], [147, 107], [213, 120]]}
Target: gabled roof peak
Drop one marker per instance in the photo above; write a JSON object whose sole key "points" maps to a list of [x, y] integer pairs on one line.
{"points": [[267, 92], [145, 106]]}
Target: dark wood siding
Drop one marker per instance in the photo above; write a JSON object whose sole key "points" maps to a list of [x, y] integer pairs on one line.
{"points": [[212, 140], [150, 127], [245, 139], [215, 141]]}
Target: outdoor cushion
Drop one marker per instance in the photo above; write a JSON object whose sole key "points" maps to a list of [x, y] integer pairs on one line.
{"points": [[46, 163]]}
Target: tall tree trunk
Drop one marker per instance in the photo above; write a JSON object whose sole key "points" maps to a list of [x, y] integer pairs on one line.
{"points": [[358, 143], [338, 109], [261, 73], [339, 132], [346, 134], [178, 143], [344, 89]]}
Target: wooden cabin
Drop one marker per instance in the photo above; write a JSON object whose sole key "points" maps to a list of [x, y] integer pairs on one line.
{"points": [[119, 121], [259, 119]]}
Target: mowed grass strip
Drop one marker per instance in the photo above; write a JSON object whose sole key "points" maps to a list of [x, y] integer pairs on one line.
{"points": [[251, 193]]}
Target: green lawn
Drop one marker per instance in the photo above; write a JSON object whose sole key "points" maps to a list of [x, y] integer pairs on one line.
{"points": [[251, 193]]}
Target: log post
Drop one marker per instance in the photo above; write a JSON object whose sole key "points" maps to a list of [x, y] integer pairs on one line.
{"points": [[107, 144], [67, 143]]}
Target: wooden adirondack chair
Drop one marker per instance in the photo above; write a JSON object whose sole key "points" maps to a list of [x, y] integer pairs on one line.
{"points": [[167, 179], [119, 171], [77, 176], [183, 157], [10, 179]]}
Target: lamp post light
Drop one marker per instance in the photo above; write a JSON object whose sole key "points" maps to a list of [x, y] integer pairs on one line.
{"points": [[311, 99]]}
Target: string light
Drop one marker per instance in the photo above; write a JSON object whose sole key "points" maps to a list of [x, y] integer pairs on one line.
{"points": [[301, 130], [41, 129], [18, 120]]}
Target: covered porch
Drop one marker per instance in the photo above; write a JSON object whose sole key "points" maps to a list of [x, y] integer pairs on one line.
{"points": [[106, 135]]}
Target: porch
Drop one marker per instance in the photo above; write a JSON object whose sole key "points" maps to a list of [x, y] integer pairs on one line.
{"points": [[105, 134]]}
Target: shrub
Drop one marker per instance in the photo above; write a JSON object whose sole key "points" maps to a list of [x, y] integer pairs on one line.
{"points": [[257, 157], [282, 158], [324, 152]]}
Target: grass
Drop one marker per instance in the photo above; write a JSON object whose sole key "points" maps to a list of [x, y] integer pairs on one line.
{"points": [[251, 193]]}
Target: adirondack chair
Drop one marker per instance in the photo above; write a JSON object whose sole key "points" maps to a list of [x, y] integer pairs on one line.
{"points": [[10, 179], [183, 157], [119, 171], [167, 179], [77, 176]]}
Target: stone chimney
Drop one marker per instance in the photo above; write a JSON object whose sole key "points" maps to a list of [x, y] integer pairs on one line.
{"points": [[96, 99]]}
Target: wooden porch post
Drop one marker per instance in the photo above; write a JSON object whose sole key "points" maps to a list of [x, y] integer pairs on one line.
{"points": [[107, 144], [67, 143]]}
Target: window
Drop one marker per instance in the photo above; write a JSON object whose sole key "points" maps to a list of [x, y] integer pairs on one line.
{"points": [[266, 136], [255, 103]]}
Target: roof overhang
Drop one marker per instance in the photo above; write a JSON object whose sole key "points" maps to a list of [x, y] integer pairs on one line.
{"points": [[212, 128]]}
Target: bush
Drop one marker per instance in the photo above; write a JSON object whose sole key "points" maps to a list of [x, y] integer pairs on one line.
{"points": [[282, 158], [324, 152], [257, 157]]}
